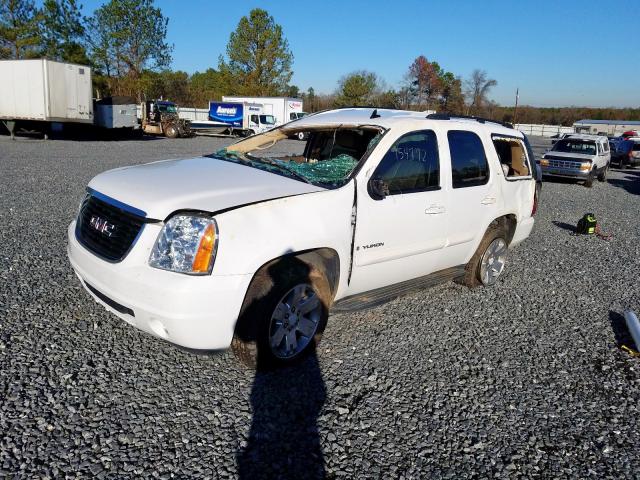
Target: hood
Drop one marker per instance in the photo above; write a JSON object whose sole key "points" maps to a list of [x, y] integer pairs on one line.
{"points": [[202, 183], [579, 157]]}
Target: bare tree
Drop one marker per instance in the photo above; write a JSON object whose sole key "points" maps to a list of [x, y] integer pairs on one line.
{"points": [[477, 89]]}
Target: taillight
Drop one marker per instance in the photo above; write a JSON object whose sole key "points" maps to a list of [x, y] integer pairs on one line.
{"points": [[535, 201]]}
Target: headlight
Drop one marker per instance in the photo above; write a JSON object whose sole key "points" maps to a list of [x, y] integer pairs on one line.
{"points": [[186, 244], [585, 166], [544, 162]]}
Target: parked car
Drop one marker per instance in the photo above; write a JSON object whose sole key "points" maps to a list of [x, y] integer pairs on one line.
{"points": [[251, 248], [626, 154], [559, 136], [582, 157]]}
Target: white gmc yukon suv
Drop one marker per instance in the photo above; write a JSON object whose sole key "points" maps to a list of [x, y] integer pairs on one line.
{"points": [[253, 246]]}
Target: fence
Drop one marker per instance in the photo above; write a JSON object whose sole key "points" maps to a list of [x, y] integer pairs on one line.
{"points": [[193, 114], [542, 130]]}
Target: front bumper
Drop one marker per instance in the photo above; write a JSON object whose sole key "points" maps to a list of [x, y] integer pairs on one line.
{"points": [[198, 312], [565, 172]]}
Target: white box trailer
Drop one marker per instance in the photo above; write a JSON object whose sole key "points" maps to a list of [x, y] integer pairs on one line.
{"points": [[44, 91], [284, 109]]}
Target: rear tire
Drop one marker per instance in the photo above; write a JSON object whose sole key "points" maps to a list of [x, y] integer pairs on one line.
{"points": [[271, 297], [473, 270]]}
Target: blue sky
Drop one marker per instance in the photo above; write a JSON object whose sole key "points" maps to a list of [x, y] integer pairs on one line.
{"points": [[559, 53]]}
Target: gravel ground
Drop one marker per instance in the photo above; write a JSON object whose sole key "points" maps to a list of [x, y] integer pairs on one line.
{"points": [[524, 379]]}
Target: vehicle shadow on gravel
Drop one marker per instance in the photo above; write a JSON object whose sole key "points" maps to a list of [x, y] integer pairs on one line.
{"points": [[284, 441], [631, 181], [620, 330]]}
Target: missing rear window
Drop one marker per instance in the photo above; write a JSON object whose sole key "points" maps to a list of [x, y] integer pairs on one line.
{"points": [[513, 157]]}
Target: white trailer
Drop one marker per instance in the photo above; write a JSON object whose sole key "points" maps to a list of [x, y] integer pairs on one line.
{"points": [[44, 91], [284, 109]]}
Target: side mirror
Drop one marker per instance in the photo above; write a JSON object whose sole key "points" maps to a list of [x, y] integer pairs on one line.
{"points": [[378, 188]]}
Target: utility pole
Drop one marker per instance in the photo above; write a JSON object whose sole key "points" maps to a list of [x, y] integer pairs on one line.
{"points": [[515, 110]]}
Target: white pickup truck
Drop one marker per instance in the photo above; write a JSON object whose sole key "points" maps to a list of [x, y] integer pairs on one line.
{"points": [[578, 156], [253, 248]]}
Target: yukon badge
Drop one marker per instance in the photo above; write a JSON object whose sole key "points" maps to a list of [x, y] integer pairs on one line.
{"points": [[101, 225], [373, 245]]}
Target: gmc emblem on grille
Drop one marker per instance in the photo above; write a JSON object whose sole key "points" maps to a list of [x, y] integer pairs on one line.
{"points": [[101, 225]]}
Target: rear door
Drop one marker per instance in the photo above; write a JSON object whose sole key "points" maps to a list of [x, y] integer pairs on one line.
{"points": [[400, 236], [474, 194], [517, 170]]}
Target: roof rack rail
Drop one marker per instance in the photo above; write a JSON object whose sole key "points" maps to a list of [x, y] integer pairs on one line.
{"points": [[448, 116]]}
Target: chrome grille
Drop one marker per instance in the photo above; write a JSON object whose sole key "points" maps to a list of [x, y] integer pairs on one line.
{"points": [[114, 241]]}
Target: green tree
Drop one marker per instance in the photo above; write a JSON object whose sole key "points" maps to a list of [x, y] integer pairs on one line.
{"points": [[19, 29], [357, 89], [310, 100], [388, 99], [127, 38], [62, 30], [292, 91], [206, 86], [168, 85], [258, 57], [451, 97]]}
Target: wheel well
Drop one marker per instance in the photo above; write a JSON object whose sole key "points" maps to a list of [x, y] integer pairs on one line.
{"points": [[323, 260], [508, 223]]}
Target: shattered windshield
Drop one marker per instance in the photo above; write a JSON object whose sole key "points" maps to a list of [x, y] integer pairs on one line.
{"points": [[327, 157]]}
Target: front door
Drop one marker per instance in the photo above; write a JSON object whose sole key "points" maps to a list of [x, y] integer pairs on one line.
{"points": [[399, 237]]}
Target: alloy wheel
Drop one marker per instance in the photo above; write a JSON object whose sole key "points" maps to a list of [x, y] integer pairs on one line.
{"points": [[492, 262], [294, 321]]}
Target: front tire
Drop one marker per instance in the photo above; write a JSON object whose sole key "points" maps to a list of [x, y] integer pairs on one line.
{"points": [[283, 316], [602, 176], [171, 131], [487, 264], [589, 181], [301, 136]]}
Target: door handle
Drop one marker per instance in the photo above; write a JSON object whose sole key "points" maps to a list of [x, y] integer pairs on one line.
{"points": [[488, 200], [435, 210]]}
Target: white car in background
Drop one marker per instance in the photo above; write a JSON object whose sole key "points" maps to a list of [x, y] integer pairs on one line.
{"points": [[252, 248], [577, 156]]}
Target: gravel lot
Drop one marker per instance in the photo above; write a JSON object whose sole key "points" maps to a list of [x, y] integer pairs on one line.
{"points": [[521, 380]]}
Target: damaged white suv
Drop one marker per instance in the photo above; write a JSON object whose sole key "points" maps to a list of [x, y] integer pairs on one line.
{"points": [[254, 245]]}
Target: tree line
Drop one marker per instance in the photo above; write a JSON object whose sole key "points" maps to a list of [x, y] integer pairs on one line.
{"points": [[125, 41]]}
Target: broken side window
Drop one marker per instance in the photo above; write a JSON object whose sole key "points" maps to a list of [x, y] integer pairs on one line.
{"points": [[512, 155]]}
